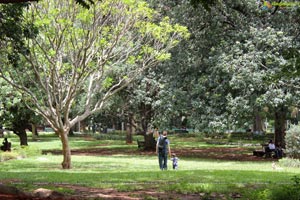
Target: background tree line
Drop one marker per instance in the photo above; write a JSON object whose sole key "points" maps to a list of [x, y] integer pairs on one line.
{"points": [[239, 66]]}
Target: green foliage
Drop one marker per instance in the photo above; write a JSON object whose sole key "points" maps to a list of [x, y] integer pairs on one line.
{"points": [[86, 3], [8, 155], [290, 162], [108, 82], [291, 191], [263, 195], [292, 69], [292, 140], [205, 3], [14, 31], [78, 53], [14, 114], [260, 55], [80, 58], [210, 81], [28, 151], [20, 153], [110, 137]]}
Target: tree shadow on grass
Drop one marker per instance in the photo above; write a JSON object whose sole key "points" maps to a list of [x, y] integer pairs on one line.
{"points": [[214, 153]]}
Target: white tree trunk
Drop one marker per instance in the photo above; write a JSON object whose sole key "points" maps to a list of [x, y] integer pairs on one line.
{"points": [[66, 164]]}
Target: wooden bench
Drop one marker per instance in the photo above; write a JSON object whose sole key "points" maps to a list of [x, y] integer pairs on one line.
{"points": [[141, 144], [151, 145], [258, 153], [268, 152], [264, 152]]}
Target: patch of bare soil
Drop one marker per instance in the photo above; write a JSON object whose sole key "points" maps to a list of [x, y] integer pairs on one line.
{"points": [[95, 193], [86, 193]]}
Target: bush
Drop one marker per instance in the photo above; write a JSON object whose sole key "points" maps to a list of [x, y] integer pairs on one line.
{"points": [[287, 191], [292, 140], [280, 192], [263, 195], [110, 137], [191, 135], [289, 162]]}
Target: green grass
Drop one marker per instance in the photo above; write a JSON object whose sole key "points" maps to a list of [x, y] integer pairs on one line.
{"points": [[141, 172], [127, 173]]}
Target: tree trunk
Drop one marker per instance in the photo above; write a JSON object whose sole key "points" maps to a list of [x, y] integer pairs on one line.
{"points": [[258, 123], [150, 142], [294, 116], [146, 113], [66, 164], [129, 129], [280, 119], [23, 138], [129, 134], [22, 135], [34, 131], [71, 132]]}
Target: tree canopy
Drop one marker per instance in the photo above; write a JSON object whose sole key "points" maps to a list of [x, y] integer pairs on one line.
{"points": [[89, 54]]}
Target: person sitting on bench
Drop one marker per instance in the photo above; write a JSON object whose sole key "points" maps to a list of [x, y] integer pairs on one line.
{"points": [[279, 150], [272, 148]]}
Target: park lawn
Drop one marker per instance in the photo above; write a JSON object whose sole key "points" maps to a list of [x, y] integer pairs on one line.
{"points": [[127, 173], [140, 172]]}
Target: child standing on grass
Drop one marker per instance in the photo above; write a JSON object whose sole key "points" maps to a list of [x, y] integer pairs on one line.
{"points": [[175, 161]]}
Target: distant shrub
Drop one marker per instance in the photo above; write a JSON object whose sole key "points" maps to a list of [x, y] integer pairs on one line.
{"points": [[20, 152], [186, 135], [116, 132], [289, 162], [110, 137], [239, 136], [28, 151], [215, 135], [292, 140], [8, 155]]}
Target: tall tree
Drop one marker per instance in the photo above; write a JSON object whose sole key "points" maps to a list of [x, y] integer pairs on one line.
{"points": [[257, 60], [195, 89], [14, 114], [218, 99], [90, 54]]}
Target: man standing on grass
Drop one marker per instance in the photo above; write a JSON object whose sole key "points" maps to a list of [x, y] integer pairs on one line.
{"points": [[163, 149]]}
